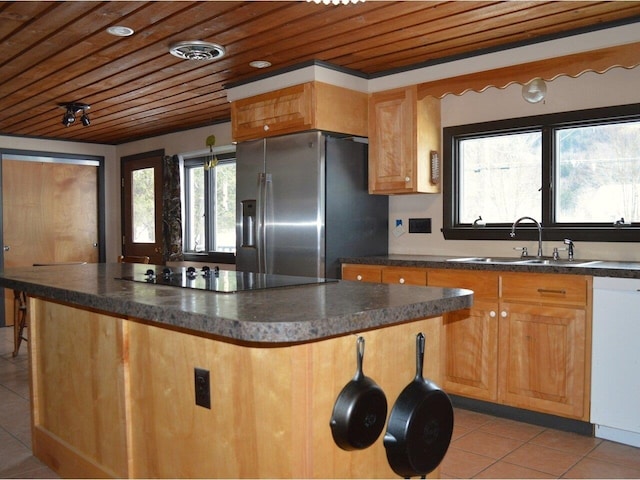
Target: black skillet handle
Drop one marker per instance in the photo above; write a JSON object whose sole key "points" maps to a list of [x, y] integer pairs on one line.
{"points": [[419, 355], [359, 359]]}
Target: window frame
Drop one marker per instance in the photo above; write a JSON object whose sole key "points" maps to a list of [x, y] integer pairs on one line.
{"points": [[548, 124], [209, 186]]}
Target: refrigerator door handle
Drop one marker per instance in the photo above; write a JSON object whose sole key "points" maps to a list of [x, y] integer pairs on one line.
{"points": [[264, 179]]}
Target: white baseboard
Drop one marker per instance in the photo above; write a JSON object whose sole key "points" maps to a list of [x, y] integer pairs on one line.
{"points": [[617, 435]]}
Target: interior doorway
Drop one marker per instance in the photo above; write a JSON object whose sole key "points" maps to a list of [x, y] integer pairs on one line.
{"points": [[52, 212]]}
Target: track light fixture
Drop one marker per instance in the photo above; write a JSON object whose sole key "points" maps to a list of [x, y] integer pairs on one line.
{"points": [[73, 109]]}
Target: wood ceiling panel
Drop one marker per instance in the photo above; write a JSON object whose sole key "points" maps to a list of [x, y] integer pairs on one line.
{"points": [[536, 25], [465, 30], [60, 52]]}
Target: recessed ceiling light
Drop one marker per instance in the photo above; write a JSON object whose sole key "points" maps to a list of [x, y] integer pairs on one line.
{"points": [[120, 31], [197, 50], [260, 64]]}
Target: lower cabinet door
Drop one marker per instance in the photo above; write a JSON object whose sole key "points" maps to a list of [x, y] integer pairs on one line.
{"points": [[470, 363], [543, 359]]}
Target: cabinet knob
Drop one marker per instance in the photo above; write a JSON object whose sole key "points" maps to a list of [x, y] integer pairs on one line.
{"points": [[407, 179], [492, 314], [266, 128], [359, 277], [401, 280], [503, 314]]}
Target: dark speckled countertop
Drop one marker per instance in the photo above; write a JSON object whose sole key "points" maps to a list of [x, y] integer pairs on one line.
{"points": [[596, 268], [273, 316]]}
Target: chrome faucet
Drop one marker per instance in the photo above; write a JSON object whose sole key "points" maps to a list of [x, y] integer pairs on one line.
{"points": [[515, 224], [570, 248]]}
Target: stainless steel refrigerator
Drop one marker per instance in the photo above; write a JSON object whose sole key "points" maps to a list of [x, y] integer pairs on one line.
{"points": [[303, 202]]}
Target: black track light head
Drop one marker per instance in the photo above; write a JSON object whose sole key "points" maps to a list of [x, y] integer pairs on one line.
{"points": [[68, 118], [73, 109]]}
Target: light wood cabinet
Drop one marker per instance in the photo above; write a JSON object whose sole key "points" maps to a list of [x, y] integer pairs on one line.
{"points": [[404, 276], [308, 106], [384, 274], [403, 132], [544, 343], [362, 273], [525, 343], [470, 336]]}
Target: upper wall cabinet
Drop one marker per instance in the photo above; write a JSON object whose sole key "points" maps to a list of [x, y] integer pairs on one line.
{"points": [[309, 106], [404, 142]]}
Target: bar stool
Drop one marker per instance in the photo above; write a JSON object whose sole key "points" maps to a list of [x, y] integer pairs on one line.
{"points": [[19, 319], [20, 310], [133, 259]]}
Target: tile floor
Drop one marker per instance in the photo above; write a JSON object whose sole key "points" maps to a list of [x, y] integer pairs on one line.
{"points": [[16, 460], [482, 446]]}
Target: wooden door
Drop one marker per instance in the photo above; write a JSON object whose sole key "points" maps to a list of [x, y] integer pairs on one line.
{"points": [[543, 359], [470, 353], [392, 149], [50, 215], [142, 206], [470, 336]]}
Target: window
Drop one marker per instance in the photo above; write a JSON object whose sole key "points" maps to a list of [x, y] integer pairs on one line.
{"points": [[577, 173], [143, 211], [210, 209]]}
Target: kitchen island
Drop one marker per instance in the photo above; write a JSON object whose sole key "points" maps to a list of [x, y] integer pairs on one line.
{"points": [[112, 371]]}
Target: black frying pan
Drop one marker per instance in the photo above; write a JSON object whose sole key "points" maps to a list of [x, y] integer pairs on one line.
{"points": [[420, 425], [360, 410]]}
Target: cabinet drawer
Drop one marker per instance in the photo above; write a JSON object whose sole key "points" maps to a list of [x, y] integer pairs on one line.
{"points": [[545, 288], [404, 276], [362, 273], [483, 284]]}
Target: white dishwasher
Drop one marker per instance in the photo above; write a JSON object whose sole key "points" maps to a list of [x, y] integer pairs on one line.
{"points": [[615, 375]]}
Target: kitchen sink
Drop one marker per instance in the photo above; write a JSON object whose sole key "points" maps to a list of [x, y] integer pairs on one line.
{"points": [[525, 261], [497, 260], [560, 262]]}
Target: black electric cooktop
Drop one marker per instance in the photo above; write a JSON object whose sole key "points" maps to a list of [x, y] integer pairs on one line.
{"points": [[221, 281]]}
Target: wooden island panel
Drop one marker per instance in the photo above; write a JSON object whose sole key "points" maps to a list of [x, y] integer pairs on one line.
{"points": [[125, 390], [78, 388]]}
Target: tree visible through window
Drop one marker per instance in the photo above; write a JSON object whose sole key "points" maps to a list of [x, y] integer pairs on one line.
{"points": [[143, 206], [210, 195], [500, 177], [577, 173], [598, 171]]}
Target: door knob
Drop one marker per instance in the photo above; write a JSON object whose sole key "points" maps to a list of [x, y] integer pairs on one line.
{"points": [[6, 248]]}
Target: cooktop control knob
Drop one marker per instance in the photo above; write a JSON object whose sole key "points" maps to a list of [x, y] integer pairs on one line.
{"points": [[216, 270], [166, 272], [191, 272], [150, 273], [206, 271]]}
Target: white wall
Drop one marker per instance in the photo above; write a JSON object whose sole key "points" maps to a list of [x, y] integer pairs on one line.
{"points": [[617, 87]]}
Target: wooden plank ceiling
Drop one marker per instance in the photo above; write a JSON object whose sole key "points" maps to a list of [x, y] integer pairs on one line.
{"points": [[58, 52]]}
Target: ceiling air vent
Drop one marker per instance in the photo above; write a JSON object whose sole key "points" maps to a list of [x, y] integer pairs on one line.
{"points": [[197, 50]]}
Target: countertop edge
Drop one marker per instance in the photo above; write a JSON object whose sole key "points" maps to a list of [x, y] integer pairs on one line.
{"points": [[131, 302], [606, 268]]}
